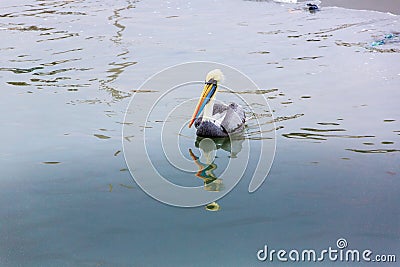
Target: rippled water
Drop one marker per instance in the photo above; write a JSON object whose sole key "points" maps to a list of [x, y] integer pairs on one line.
{"points": [[68, 69]]}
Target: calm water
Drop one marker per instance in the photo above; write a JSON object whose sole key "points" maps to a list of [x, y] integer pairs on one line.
{"points": [[69, 68]]}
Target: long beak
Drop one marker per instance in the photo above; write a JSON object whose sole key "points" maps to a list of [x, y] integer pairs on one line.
{"points": [[208, 92]]}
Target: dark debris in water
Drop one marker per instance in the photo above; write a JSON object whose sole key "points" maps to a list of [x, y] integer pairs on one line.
{"points": [[87, 101], [314, 136], [337, 28], [373, 151], [18, 83], [260, 52], [347, 44], [143, 91], [380, 50], [328, 123], [368, 144], [21, 70], [322, 130], [304, 136], [284, 118], [367, 47], [387, 143], [271, 32], [30, 28], [128, 138], [307, 58], [101, 136]]}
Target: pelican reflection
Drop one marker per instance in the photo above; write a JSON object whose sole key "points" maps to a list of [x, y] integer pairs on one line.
{"points": [[206, 163], [233, 145]]}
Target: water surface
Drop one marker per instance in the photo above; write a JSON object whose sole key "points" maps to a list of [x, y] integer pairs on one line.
{"points": [[68, 69]]}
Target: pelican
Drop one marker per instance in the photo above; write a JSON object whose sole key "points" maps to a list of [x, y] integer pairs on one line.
{"points": [[218, 120]]}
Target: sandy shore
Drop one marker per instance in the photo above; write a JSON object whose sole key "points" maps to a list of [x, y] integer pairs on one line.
{"points": [[392, 6]]}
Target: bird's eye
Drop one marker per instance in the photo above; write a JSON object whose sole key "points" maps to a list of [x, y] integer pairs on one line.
{"points": [[212, 81]]}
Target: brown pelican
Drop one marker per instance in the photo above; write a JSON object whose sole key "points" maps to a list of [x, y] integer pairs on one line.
{"points": [[218, 120]]}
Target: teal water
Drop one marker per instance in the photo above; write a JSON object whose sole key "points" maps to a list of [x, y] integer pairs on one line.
{"points": [[69, 68]]}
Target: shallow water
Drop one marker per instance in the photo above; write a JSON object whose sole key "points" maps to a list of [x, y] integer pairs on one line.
{"points": [[69, 68]]}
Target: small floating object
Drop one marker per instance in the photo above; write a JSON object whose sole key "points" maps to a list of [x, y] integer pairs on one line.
{"points": [[51, 162], [312, 7], [305, 96], [376, 43], [386, 39], [214, 206], [286, 1], [101, 136]]}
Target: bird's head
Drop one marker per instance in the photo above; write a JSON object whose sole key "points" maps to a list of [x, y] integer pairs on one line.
{"points": [[215, 75], [210, 88]]}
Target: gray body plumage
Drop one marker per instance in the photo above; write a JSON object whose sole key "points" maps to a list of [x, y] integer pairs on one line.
{"points": [[233, 118]]}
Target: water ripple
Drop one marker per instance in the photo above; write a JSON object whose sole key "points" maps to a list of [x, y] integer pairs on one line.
{"points": [[313, 136], [373, 151]]}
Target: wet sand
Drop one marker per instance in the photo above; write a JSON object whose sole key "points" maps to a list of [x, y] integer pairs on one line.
{"points": [[392, 6]]}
